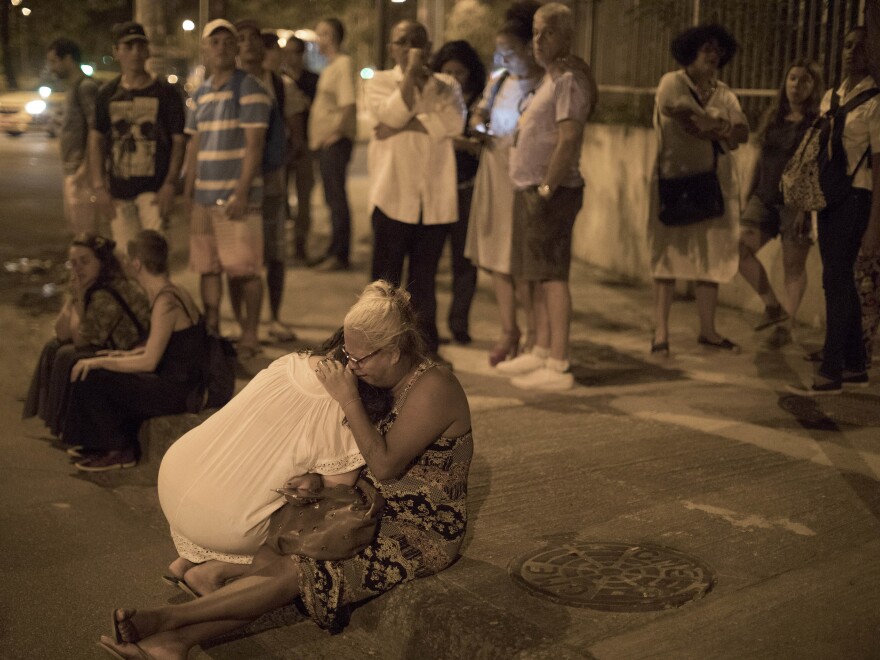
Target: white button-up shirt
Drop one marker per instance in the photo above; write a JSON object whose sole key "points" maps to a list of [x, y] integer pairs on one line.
{"points": [[861, 130], [413, 173]]}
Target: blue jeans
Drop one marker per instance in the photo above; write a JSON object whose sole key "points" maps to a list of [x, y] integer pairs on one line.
{"points": [[333, 161], [840, 235]]}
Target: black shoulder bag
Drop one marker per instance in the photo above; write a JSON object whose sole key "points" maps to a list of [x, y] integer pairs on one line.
{"points": [[687, 200]]}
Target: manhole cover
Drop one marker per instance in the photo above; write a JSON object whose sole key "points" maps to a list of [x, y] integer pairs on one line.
{"points": [[615, 577]]}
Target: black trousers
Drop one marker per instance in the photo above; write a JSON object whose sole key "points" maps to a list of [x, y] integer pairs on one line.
{"points": [[840, 235], [107, 407], [420, 246], [464, 273], [334, 167]]}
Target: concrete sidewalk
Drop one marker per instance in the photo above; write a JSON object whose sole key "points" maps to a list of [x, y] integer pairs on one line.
{"points": [[774, 497], [703, 453]]}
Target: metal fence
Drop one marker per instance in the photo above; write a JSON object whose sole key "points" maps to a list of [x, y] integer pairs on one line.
{"points": [[629, 42]]}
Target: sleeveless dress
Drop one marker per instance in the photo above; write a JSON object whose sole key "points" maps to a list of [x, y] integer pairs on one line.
{"points": [[216, 482], [107, 407], [490, 226], [420, 532]]}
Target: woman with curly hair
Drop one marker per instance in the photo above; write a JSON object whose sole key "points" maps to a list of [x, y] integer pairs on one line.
{"points": [[766, 216], [698, 121], [104, 311]]}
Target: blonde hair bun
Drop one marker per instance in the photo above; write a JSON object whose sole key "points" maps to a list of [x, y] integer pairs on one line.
{"points": [[384, 314]]}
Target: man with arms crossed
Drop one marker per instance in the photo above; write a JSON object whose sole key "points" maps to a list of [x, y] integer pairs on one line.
{"points": [[224, 186], [413, 190], [549, 194]]}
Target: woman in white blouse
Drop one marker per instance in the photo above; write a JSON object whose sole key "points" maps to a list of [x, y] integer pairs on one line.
{"points": [[696, 114]]}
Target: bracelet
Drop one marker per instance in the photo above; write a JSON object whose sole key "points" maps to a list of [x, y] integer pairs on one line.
{"points": [[357, 398]]}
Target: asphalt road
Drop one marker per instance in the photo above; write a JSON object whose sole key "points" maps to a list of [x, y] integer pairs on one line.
{"points": [[30, 194]]}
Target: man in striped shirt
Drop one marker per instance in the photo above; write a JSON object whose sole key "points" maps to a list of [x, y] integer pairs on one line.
{"points": [[227, 127]]}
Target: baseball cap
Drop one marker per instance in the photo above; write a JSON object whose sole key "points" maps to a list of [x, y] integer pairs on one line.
{"points": [[243, 23], [122, 33], [219, 24]]}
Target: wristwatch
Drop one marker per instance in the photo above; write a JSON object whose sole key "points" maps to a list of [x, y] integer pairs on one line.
{"points": [[544, 191]]}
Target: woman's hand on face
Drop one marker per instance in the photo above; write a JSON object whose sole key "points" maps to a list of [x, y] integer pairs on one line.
{"points": [[82, 367], [339, 382]]}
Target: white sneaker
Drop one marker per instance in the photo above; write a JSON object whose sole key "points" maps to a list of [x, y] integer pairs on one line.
{"points": [[523, 364], [545, 379]]}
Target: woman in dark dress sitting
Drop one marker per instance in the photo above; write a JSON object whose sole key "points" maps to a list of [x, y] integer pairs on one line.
{"points": [[113, 393]]}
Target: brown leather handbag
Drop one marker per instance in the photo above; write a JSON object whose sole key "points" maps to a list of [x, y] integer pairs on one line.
{"points": [[331, 524]]}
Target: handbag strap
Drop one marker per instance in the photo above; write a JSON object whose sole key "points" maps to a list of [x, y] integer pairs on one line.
{"points": [[493, 94], [716, 146], [142, 333], [839, 112], [374, 497]]}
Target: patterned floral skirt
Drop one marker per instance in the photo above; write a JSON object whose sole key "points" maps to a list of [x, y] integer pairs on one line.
{"points": [[420, 533]]}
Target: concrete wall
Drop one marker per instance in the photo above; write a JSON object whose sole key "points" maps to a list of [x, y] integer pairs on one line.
{"points": [[610, 231]]}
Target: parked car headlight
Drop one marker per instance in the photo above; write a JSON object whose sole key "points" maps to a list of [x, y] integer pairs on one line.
{"points": [[35, 107]]}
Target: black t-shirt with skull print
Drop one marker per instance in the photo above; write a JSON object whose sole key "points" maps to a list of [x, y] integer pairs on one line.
{"points": [[137, 125]]}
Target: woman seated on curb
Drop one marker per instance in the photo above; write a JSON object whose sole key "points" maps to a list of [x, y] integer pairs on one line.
{"points": [[113, 393], [418, 459], [105, 310]]}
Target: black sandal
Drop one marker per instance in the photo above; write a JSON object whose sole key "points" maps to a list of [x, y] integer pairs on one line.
{"points": [[724, 345], [662, 347]]}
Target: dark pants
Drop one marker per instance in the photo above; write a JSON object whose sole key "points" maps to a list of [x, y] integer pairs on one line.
{"points": [[840, 235], [334, 166], [49, 393], [464, 273], [422, 245], [107, 407], [303, 170]]}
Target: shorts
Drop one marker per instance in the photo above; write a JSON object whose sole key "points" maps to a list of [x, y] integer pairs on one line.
{"points": [[542, 232], [132, 215], [274, 217], [220, 245], [777, 220]]}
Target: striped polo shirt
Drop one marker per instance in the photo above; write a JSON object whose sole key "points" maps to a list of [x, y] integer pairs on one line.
{"points": [[220, 123]]}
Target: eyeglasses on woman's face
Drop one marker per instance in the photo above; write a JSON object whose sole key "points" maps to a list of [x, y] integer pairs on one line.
{"points": [[356, 363]]}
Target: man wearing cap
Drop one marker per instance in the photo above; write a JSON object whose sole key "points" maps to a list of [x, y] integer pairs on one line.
{"points": [[136, 141], [287, 102], [224, 184]]}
